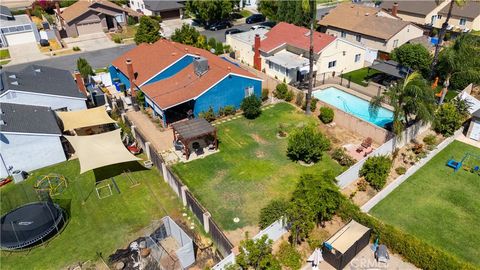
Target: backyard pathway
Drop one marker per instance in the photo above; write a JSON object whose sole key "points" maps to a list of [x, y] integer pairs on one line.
{"points": [[160, 140], [370, 90]]}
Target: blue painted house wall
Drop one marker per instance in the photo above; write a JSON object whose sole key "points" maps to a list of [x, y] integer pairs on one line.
{"points": [[114, 73], [172, 70], [229, 91]]}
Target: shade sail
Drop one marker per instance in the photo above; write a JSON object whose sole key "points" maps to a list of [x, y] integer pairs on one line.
{"points": [[100, 150], [85, 118]]}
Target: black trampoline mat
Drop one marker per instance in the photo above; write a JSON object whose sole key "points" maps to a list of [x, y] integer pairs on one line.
{"points": [[28, 224]]}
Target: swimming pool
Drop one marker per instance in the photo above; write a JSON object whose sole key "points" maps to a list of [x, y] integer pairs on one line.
{"points": [[354, 105]]}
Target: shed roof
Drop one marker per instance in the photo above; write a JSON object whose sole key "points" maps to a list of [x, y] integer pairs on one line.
{"points": [[155, 5], [343, 239], [19, 118], [390, 67], [288, 59], [193, 128]]}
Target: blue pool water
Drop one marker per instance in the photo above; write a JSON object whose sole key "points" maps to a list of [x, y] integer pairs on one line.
{"points": [[354, 105]]}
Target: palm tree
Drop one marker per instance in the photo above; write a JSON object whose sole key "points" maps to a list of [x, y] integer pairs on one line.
{"points": [[308, 100], [442, 32], [411, 99]]}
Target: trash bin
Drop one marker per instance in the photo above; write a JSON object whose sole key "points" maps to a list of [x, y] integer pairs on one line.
{"points": [[18, 176]]}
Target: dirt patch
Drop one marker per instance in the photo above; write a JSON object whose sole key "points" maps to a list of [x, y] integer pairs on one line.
{"points": [[239, 234], [259, 154], [258, 139]]}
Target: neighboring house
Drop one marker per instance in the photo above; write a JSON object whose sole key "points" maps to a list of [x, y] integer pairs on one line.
{"points": [[434, 13], [29, 138], [473, 131], [366, 26], [41, 86], [283, 52], [181, 81], [165, 9], [17, 29], [87, 17]]}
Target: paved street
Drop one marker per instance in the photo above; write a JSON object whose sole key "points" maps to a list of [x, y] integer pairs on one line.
{"points": [[97, 59], [220, 34]]}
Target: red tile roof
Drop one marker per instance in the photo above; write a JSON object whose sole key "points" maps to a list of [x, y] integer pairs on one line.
{"points": [[296, 36], [150, 59]]}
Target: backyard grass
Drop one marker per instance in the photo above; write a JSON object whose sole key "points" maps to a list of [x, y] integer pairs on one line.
{"points": [[97, 225], [251, 168], [359, 76], [438, 205], [4, 54], [245, 13]]}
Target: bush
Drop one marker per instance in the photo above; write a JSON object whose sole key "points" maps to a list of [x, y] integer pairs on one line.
{"points": [[434, 32], [131, 20], [289, 96], [208, 115], [447, 36], [299, 99], [401, 170], [251, 107], [326, 115], [289, 256], [313, 104], [341, 156], [461, 80], [117, 39], [221, 112], [430, 140], [362, 185], [219, 48], [273, 211], [229, 110], [265, 93], [307, 144], [76, 49], [447, 120], [375, 170], [281, 91]]}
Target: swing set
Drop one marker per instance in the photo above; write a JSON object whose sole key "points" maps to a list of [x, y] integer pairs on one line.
{"points": [[469, 162]]}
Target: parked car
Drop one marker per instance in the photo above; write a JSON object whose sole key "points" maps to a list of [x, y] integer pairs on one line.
{"points": [[220, 25], [44, 42], [233, 31], [381, 254], [269, 24], [258, 26], [255, 18]]}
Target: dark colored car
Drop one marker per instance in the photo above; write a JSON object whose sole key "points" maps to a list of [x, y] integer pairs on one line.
{"points": [[220, 25], [269, 24], [255, 18], [233, 31], [44, 42]]}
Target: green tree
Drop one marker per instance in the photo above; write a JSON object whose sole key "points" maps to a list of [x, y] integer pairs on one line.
{"points": [[84, 68], [289, 256], [376, 170], [186, 35], [447, 120], [251, 107], [273, 211], [148, 31], [414, 56], [212, 43], [210, 10], [411, 99], [307, 144], [301, 220], [257, 254], [219, 48], [202, 42], [269, 8]]}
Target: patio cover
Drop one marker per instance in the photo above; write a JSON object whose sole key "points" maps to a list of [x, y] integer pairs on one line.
{"points": [[193, 128], [390, 67], [347, 236], [85, 118], [100, 150]]}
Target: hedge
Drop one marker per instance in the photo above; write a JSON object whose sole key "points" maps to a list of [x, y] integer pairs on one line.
{"points": [[414, 250]]}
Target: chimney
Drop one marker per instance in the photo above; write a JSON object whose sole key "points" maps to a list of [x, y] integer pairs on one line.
{"points": [[131, 76], [257, 61], [80, 83], [395, 9]]}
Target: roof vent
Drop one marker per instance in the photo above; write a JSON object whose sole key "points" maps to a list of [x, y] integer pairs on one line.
{"points": [[14, 83], [13, 76], [200, 65]]}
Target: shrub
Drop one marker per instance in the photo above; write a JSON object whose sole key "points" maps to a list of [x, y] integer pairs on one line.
{"points": [[430, 139], [299, 99], [307, 144], [401, 170], [219, 48], [313, 104], [117, 39], [447, 120], [434, 32], [341, 156], [76, 48], [274, 210], [326, 115], [221, 111], [208, 115], [131, 20], [447, 36], [362, 185], [375, 170], [289, 256], [229, 110], [289, 96], [461, 80], [251, 107], [265, 93], [281, 91]]}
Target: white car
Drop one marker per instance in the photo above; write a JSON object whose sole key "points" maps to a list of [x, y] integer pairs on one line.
{"points": [[255, 27]]}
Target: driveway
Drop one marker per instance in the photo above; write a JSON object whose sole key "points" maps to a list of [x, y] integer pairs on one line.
{"points": [[169, 26], [25, 53], [90, 42]]}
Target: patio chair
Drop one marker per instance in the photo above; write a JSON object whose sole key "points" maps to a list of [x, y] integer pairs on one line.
{"points": [[367, 142], [178, 145]]}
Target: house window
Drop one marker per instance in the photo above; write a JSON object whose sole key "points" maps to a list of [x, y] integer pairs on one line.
{"points": [[395, 43], [119, 18], [434, 18], [143, 6], [62, 109], [332, 64], [357, 57], [248, 91], [439, 16], [463, 21], [343, 34], [358, 38]]}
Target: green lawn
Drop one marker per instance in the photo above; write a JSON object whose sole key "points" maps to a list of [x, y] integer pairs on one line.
{"points": [[359, 76], [245, 13], [97, 225], [4, 54], [438, 205], [251, 168]]}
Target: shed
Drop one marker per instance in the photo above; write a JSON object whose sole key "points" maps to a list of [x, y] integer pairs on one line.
{"points": [[345, 244]]}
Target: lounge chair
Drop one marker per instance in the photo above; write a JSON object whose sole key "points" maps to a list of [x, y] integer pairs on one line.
{"points": [[367, 142]]}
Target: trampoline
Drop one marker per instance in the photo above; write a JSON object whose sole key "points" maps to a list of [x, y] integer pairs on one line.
{"points": [[30, 224]]}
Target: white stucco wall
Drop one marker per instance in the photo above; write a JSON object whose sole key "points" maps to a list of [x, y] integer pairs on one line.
{"points": [[343, 52], [54, 102], [29, 152], [243, 50], [140, 5]]}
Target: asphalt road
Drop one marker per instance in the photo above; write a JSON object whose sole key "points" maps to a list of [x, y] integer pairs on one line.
{"points": [[97, 59], [220, 34]]}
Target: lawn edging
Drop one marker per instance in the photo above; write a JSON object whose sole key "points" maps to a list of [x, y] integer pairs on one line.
{"points": [[402, 178]]}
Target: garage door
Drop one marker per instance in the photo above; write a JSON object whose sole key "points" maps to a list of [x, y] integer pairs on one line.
{"points": [[20, 38], [89, 28], [171, 14]]}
